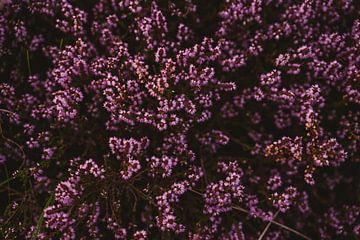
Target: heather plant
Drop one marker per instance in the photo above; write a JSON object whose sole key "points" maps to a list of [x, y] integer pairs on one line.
{"points": [[193, 119]]}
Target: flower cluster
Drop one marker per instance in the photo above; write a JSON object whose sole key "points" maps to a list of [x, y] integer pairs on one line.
{"points": [[133, 119]]}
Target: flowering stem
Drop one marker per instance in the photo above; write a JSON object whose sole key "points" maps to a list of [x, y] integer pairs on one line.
{"points": [[271, 221]]}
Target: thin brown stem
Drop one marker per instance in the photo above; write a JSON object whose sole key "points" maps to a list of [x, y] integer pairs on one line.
{"points": [[267, 226], [6, 111]]}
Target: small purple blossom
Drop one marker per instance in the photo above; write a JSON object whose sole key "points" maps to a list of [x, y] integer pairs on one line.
{"points": [[173, 119]]}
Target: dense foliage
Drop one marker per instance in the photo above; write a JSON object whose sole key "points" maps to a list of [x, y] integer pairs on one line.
{"points": [[193, 119]]}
